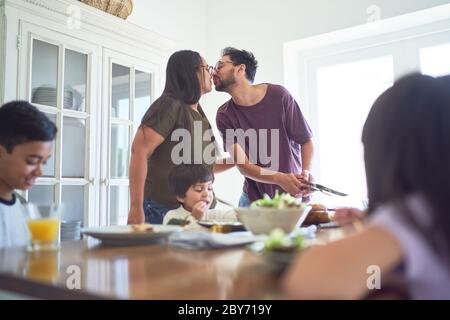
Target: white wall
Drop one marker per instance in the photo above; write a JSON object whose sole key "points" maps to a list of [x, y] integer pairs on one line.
{"points": [[179, 20], [261, 27]]}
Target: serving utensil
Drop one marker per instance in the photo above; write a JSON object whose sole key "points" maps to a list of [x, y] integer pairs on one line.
{"points": [[323, 189]]}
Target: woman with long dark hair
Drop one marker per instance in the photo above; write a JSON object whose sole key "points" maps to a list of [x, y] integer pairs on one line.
{"points": [[156, 149], [406, 141]]}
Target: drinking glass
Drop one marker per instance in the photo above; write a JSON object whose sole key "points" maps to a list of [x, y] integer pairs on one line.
{"points": [[44, 223]]}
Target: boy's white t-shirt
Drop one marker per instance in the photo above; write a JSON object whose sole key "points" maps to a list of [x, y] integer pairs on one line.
{"points": [[13, 225], [182, 213]]}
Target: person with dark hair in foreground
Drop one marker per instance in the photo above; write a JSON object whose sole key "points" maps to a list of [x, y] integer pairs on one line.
{"points": [[406, 141]]}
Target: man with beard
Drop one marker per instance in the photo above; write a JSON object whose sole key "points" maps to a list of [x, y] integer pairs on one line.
{"points": [[261, 120]]}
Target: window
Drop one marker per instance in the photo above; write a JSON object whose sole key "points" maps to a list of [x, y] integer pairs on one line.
{"points": [[345, 94], [338, 76], [435, 61]]}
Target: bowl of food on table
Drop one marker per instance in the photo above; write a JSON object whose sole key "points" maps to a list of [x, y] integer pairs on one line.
{"points": [[267, 214]]}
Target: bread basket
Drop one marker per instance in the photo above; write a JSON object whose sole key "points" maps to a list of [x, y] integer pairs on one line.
{"points": [[119, 8]]}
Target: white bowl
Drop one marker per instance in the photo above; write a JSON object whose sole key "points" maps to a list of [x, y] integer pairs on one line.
{"points": [[263, 220]]}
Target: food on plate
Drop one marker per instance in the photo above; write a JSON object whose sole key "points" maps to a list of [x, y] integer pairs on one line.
{"points": [[317, 217], [279, 201], [318, 207], [222, 226], [179, 222], [143, 227], [318, 214]]}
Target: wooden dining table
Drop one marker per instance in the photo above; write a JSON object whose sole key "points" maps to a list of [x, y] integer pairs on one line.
{"points": [[87, 269]]}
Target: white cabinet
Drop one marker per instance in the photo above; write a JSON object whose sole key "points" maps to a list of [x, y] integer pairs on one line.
{"points": [[94, 75]]}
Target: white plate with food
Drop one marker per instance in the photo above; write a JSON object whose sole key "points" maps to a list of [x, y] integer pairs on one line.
{"points": [[222, 226], [131, 234]]}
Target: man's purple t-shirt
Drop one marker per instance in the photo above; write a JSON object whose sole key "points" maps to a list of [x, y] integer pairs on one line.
{"points": [[276, 111]]}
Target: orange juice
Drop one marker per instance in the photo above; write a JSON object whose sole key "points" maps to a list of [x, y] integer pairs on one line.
{"points": [[43, 267], [44, 230]]}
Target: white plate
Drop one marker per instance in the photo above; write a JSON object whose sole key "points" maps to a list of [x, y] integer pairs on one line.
{"points": [[124, 235]]}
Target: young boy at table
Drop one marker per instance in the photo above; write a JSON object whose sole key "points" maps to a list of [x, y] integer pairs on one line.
{"points": [[26, 136], [192, 185]]}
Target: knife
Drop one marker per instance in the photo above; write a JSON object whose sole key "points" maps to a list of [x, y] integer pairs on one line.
{"points": [[323, 189]]}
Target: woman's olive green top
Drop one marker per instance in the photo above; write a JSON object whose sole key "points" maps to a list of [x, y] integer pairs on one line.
{"points": [[165, 116]]}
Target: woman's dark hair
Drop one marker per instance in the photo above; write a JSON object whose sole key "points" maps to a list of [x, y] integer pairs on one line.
{"points": [[182, 83], [242, 57], [21, 122], [406, 141], [182, 76], [183, 176]]}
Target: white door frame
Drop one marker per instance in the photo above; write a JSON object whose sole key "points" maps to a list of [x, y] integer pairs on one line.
{"points": [[29, 32], [153, 67]]}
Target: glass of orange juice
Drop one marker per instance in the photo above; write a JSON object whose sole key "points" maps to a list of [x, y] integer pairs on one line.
{"points": [[44, 223], [43, 266]]}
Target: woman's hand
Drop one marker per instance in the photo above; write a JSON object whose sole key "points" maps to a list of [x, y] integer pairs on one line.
{"points": [[199, 210], [136, 215]]}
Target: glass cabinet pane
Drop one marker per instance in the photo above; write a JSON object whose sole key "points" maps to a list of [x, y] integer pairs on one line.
{"points": [[119, 204], [75, 79], [49, 169], [142, 94], [44, 73], [73, 147], [119, 151], [120, 92], [42, 194], [73, 199]]}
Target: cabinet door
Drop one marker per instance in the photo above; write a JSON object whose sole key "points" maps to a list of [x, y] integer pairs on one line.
{"points": [[130, 86], [59, 76]]}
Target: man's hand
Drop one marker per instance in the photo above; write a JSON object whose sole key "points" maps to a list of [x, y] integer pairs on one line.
{"points": [[305, 189], [290, 182], [199, 210], [136, 215]]}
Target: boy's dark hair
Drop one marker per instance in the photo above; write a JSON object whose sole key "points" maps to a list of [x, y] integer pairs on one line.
{"points": [[21, 122], [242, 57], [183, 176]]}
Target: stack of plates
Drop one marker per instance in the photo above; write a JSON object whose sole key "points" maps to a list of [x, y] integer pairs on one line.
{"points": [[71, 230], [48, 95]]}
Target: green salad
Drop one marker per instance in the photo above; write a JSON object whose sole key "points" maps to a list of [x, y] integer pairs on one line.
{"points": [[278, 240], [279, 201]]}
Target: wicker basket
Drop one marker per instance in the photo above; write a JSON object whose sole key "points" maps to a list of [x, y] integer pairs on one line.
{"points": [[119, 8]]}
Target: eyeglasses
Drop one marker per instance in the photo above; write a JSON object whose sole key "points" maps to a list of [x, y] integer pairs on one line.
{"points": [[220, 64], [210, 69]]}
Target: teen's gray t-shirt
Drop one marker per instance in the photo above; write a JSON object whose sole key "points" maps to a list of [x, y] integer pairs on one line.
{"points": [[13, 226], [424, 272]]}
